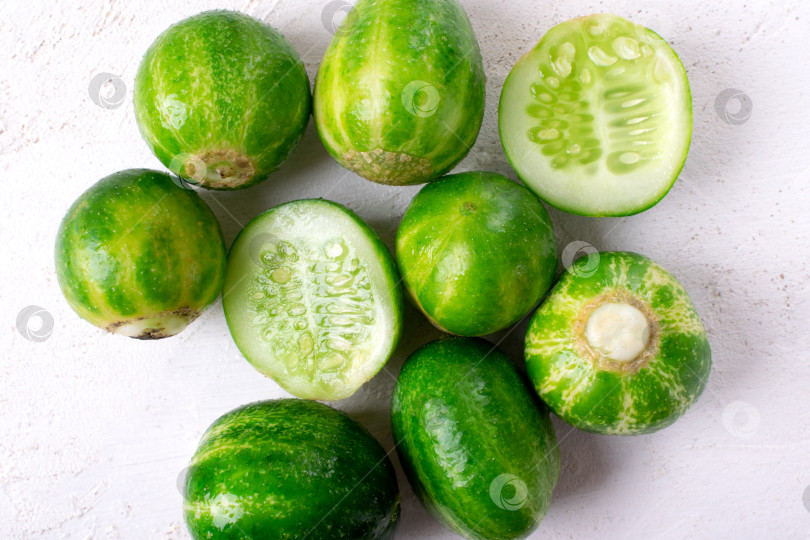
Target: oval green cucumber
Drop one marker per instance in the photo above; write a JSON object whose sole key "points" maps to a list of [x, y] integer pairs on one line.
{"points": [[222, 99], [399, 95], [312, 298], [618, 347], [597, 118], [476, 252], [140, 256], [476, 444], [290, 468]]}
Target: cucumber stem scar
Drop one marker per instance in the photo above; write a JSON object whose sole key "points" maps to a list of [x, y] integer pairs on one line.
{"points": [[388, 168], [219, 169], [618, 332], [156, 325]]}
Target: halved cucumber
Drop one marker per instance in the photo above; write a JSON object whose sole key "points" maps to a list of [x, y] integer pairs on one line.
{"points": [[597, 118], [312, 298]]}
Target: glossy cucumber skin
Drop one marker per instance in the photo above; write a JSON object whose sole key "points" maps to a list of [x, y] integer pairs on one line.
{"points": [[222, 84], [290, 468], [603, 401], [476, 252], [137, 246], [468, 428], [399, 96]]}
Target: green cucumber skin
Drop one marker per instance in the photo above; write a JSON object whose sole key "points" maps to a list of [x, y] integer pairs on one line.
{"points": [[137, 244], [222, 80], [290, 468], [602, 401], [381, 48], [476, 252], [463, 415]]}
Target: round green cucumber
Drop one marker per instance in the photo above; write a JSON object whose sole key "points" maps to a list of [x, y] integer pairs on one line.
{"points": [[140, 256], [476, 252], [597, 118], [290, 468], [312, 298], [617, 347], [399, 95], [475, 442], [222, 99]]}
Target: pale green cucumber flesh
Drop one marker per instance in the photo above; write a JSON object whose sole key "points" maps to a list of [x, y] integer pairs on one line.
{"points": [[597, 118], [312, 298]]}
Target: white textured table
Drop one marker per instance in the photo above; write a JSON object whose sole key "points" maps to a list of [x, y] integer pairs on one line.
{"points": [[95, 428]]}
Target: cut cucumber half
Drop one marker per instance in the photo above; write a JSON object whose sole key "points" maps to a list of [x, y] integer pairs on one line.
{"points": [[597, 118], [312, 298]]}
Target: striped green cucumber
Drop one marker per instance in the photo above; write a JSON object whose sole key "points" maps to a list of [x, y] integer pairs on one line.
{"points": [[222, 99], [399, 96], [290, 468], [617, 346], [475, 442], [477, 252], [597, 118], [138, 255]]}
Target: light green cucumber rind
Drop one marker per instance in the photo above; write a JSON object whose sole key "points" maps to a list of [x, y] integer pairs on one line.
{"points": [[222, 80], [602, 401], [384, 284], [476, 252], [137, 250], [538, 182], [470, 434], [399, 96], [287, 469]]}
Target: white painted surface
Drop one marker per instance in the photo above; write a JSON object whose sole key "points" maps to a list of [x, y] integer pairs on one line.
{"points": [[95, 428]]}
